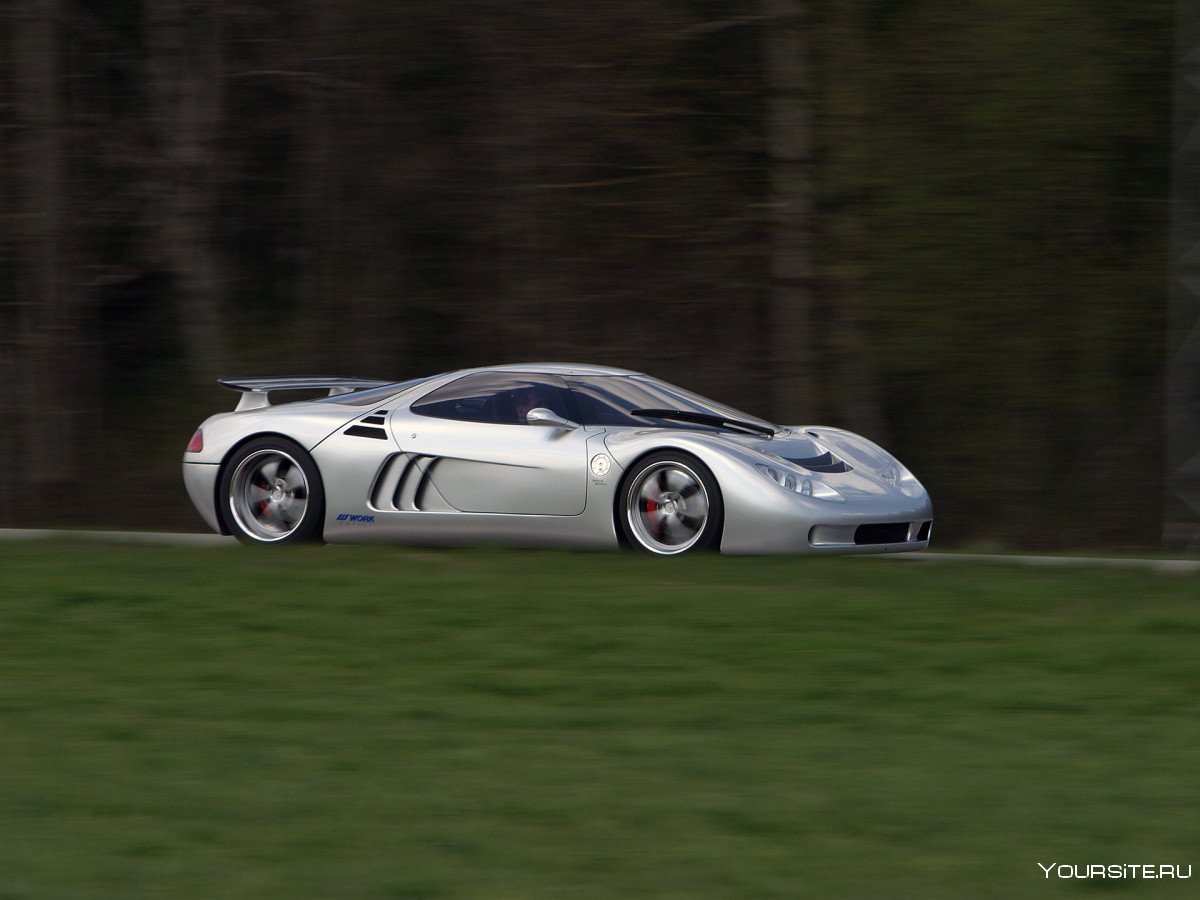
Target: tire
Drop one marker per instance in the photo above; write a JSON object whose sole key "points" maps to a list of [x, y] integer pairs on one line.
{"points": [[271, 493], [669, 503]]}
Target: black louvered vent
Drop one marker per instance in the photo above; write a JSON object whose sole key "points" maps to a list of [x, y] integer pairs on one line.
{"points": [[366, 431], [826, 462]]}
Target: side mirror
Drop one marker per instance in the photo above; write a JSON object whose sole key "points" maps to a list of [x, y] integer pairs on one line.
{"points": [[548, 418]]}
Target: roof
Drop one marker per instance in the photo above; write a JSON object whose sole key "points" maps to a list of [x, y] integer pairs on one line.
{"points": [[559, 368]]}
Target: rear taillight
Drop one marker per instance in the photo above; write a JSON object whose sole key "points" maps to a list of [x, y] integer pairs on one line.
{"points": [[196, 444]]}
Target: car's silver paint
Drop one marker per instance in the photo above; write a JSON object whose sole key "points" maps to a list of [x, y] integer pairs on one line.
{"points": [[200, 479], [547, 494], [305, 423], [486, 468], [361, 480]]}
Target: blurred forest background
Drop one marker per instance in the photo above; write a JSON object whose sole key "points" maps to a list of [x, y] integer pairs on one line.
{"points": [[942, 224]]}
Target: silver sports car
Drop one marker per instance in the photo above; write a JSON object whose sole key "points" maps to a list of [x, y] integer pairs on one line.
{"points": [[542, 455]]}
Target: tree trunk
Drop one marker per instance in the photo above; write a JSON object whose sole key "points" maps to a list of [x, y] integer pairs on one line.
{"points": [[855, 398], [185, 70], [790, 338], [46, 413], [523, 323], [319, 314]]}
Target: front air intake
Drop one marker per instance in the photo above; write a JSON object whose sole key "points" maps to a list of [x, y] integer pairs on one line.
{"points": [[882, 533]]}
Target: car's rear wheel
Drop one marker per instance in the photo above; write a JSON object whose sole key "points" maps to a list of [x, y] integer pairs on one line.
{"points": [[271, 493], [669, 503]]}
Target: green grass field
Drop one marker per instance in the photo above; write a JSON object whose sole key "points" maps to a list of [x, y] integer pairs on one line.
{"points": [[383, 722]]}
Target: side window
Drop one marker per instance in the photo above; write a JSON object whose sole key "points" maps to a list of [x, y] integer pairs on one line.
{"points": [[500, 398]]}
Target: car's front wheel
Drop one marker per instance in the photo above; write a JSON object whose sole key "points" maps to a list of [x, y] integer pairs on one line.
{"points": [[669, 503], [271, 493]]}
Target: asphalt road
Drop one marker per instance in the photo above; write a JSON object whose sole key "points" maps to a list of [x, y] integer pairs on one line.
{"points": [[1160, 566], [132, 537]]}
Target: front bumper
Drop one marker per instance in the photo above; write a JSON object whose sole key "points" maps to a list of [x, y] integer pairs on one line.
{"points": [[883, 524]]}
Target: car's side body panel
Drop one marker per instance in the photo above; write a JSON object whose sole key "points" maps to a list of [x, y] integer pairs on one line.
{"points": [[488, 468], [390, 494]]}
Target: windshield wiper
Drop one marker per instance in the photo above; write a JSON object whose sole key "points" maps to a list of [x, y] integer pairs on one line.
{"points": [[683, 415]]}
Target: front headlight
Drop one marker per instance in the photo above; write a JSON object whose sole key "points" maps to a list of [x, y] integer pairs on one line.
{"points": [[896, 476], [799, 484]]}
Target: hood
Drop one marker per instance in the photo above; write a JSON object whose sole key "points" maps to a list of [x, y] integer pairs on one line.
{"points": [[847, 462]]}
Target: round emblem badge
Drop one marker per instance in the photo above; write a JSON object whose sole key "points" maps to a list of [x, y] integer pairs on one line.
{"points": [[600, 465]]}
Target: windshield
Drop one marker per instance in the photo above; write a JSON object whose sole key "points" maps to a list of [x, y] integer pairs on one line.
{"points": [[611, 400]]}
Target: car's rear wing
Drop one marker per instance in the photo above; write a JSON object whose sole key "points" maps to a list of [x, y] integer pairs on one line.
{"points": [[255, 391]]}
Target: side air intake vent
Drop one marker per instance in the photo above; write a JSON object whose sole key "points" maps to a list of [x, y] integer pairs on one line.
{"points": [[404, 485]]}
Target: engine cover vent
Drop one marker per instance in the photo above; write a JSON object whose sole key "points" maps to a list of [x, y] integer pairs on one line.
{"points": [[826, 462]]}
